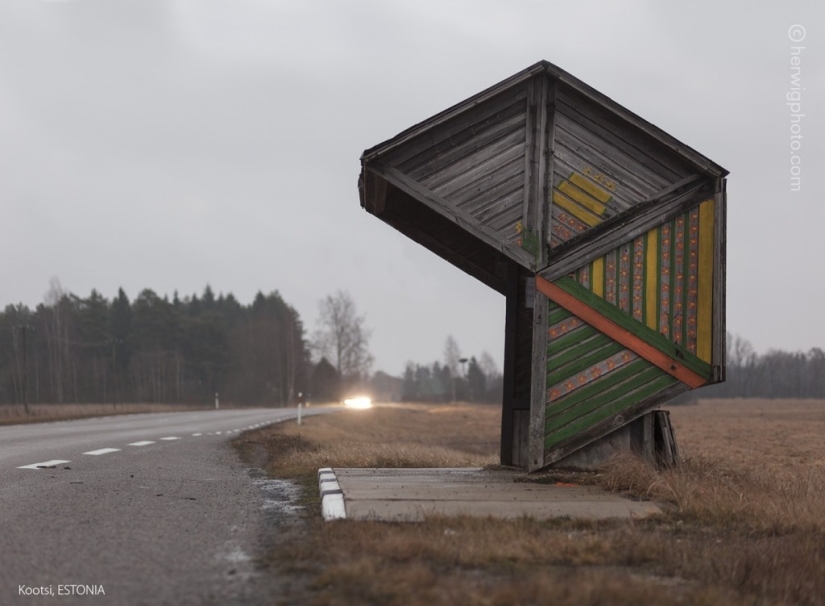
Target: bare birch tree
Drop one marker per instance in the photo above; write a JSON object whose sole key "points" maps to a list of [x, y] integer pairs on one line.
{"points": [[342, 336]]}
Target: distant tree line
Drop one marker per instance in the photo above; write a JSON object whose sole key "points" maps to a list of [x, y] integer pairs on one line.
{"points": [[457, 378], [152, 349], [774, 374]]}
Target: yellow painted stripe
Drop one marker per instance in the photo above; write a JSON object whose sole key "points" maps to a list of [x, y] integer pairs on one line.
{"points": [[652, 279], [597, 279], [590, 187], [574, 209], [704, 314], [582, 197]]}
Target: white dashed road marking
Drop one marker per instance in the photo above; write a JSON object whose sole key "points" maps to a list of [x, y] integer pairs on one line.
{"points": [[102, 451], [143, 443], [217, 433], [171, 438], [195, 435], [44, 464]]}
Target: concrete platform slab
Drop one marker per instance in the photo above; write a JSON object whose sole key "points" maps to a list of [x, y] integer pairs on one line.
{"points": [[411, 495]]}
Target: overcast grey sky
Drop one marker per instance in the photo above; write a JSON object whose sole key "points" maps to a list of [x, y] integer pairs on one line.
{"points": [[173, 144]]}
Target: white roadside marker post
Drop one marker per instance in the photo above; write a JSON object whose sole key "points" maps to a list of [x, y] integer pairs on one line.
{"points": [[300, 407], [217, 403]]}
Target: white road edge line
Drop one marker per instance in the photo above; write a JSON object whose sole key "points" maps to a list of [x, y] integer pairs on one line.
{"points": [[44, 464], [143, 443], [101, 451], [171, 438]]}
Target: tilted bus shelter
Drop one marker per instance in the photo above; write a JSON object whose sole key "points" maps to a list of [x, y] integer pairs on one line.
{"points": [[605, 234]]}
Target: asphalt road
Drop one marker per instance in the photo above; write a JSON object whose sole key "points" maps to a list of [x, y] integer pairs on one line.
{"points": [[152, 508]]}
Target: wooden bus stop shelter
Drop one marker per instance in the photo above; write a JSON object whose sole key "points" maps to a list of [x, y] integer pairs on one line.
{"points": [[605, 234]]}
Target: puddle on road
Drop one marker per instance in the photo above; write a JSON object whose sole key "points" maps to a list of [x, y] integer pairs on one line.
{"points": [[280, 496]]}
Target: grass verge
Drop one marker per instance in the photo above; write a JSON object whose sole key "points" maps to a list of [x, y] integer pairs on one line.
{"points": [[743, 526]]}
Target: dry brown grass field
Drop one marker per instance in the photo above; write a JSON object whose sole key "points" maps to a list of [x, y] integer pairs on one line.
{"points": [[744, 519], [14, 414]]}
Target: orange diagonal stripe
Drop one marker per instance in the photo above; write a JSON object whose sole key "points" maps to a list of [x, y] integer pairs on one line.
{"points": [[619, 334]]}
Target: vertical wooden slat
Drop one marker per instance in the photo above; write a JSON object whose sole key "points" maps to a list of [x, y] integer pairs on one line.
{"points": [[538, 384], [652, 280], [704, 315], [536, 159], [529, 153], [691, 292], [549, 178], [638, 280], [597, 278], [610, 277], [720, 277], [665, 279], [678, 275], [624, 277]]}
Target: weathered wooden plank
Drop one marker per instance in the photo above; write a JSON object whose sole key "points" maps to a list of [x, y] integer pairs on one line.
{"points": [[644, 151], [625, 330], [564, 225], [589, 303], [648, 438], [720, 278], [652, 279], [578, 364], [686, 152], [443, 125], [494, 204], [574, 337], [557, 314], [604, 427], [550, 177], [614, 232], [594, 389], [473, 138], [599, 155], [608, 396], [490, 154], [505, 219], [580, 196], [467, 174], [538, 384], [374, 192], [558, 358], [475, 193], [537, 223], [623, 196], [704, 320], [598, 277], [652, 385]]}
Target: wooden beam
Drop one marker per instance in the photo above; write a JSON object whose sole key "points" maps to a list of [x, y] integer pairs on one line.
{"points": [[601, 239], [538, 384], [509, 374], [719, 280]]}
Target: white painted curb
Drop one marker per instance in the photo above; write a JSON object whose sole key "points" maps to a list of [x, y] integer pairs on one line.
{"points": [[332, 497]]}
